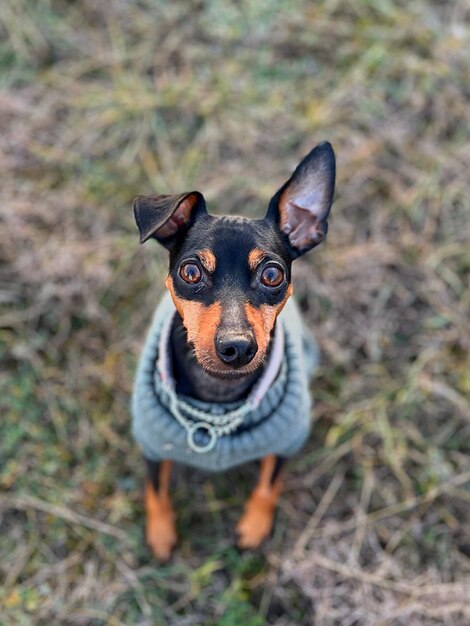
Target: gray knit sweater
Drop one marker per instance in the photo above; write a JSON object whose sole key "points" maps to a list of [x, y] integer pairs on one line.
{"points": [[277, 421]]}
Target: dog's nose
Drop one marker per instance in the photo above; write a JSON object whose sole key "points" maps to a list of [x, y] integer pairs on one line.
{"points": [[236, 350]]}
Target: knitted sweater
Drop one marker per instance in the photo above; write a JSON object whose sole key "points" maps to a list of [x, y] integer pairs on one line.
{"points": [[274, 419]]}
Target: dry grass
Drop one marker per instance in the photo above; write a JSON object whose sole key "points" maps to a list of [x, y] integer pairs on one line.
{"points": [[101, 101]]}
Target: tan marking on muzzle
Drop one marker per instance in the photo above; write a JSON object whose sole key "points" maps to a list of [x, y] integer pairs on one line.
{"points": [[201, 324], [262, 321]]}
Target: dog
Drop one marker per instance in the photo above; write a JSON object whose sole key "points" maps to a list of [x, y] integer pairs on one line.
{"points": [[223, 377]]}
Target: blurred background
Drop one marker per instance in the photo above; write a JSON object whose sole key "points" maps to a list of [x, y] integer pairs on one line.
{"points": [[100, 102]]}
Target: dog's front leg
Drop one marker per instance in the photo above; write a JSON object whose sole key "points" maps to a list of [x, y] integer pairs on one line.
{"points": [[160, 527], [257, 519]]}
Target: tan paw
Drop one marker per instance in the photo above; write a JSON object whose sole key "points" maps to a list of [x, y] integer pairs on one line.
{"points": [[161, 536], [255, 523]]}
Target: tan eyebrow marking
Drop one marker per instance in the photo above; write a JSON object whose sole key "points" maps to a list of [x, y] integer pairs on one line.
{"points": [[208, 259], [255, 257]]}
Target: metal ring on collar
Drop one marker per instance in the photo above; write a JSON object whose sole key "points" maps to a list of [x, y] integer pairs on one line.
{"points": [[192, 431]]}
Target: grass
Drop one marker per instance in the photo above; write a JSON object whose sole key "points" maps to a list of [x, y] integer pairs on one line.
{"points": [[100, 102]]}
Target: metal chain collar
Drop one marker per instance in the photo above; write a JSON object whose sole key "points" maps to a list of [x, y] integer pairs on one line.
{"points": [[215, 425]]}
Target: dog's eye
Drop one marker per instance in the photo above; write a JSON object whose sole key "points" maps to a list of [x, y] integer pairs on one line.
{"points": [[272, 276], [190, 273]]}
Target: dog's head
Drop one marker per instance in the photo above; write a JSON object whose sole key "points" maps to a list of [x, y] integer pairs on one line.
{"points": [[230, 277]]}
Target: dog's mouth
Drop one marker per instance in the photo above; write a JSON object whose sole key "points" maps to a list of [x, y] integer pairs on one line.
{"points": [[218, 369], [228, 374]]}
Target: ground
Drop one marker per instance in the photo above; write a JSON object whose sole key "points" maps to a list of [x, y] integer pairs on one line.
{"points": [[100, 102]]}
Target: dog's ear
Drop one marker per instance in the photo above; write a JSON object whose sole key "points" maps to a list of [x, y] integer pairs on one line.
{"points": [[165, 217], [300, 208]]}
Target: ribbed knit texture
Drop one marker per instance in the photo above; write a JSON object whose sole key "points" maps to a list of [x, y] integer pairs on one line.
{"points": [[279, 425]]}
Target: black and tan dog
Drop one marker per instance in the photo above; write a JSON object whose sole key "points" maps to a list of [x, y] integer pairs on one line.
{"points": [[229, 278]]}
